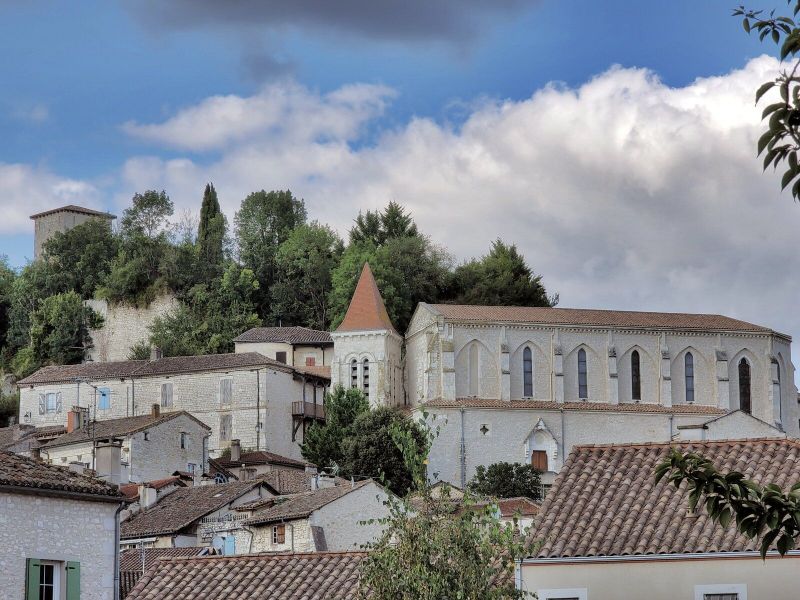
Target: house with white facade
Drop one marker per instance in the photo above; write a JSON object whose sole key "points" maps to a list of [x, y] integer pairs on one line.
{"points": [[294, 346], [58, 532], [264, 403], [608, 531]]}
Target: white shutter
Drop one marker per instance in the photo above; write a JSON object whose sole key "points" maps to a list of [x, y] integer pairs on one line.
{"points": [[225, 391], [59, 404], [42, 404]]}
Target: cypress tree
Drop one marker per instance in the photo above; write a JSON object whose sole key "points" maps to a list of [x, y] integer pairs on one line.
{"points": [[211, 231]]}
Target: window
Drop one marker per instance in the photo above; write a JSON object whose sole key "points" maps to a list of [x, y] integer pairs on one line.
{"points": [[311, 361], [103, 398], [736, 591], [562, 594], [744, 385], [52, 580], [220, 478], [50, 402], [778, 400], [166, 394], [365, 377], [225, 391], [688, 376], [583, 385], [184, 440], [192, 468], [146, 436], [527, 373], [279, 534], [720, 596], [354, 373], [474, 367], [636, 377], [225, 427], [539, 460], [280, 357]]}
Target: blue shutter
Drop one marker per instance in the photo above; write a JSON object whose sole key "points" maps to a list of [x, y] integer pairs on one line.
{"points": [[104, 402], [230, 545], [32, 579], [73, 581]]}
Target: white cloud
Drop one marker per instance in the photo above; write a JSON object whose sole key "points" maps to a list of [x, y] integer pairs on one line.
{"points": [[38, 113], [624, 193]]}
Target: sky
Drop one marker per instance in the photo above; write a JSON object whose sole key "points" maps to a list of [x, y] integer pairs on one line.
{"points": [[613, 142]]}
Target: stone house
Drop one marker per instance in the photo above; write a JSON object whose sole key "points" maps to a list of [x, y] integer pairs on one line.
{"points": [[193, 516], [141, 449], [608, 531], [294, 346], [27, 439], [246, 396], [60, 220], [251, 465], [329, 518], [58, 532]]}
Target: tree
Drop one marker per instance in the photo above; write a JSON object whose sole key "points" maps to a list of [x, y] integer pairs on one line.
{"points": [[780, 142], [211, 233], [762, 512], [147, 215], [370, 450], [506, 480], [377, 228], [7, 277], [303, 267], [500, 278], [323, 444], [36, 282], [263, 222], [9, 407]]}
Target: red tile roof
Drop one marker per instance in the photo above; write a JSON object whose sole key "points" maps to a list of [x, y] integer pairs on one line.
{"points": [[302, 505], [367, 310], [511, 507], [286, 335], [605, 501], [640, 407], [130, 563], [261, 457], [315, 371], [594, 318]]}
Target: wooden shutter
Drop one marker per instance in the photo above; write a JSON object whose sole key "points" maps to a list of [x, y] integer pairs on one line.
{"points": [[311, 361], [32, 579], [281, 534], [539, 460], [73, 580]]}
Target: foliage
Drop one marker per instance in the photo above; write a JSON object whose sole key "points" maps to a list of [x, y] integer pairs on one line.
{"points": [[140, 351], [303, 266], [438, 548], [500, 278], [323, 444], [761, 512], [147, 216], [506, 480], [780, 142], [211, 233], [34, 283], [7, 277], [376, 228], [9, 407]]}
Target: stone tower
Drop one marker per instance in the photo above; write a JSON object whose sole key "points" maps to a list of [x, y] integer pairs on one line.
{"points": [[61, 219], [366, 348]]}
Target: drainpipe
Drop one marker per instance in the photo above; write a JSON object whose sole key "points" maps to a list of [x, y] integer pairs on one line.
{"points": [[563, 438], [258, 411], [671, 418], [116, 550], [133, 397], [463, 453]]}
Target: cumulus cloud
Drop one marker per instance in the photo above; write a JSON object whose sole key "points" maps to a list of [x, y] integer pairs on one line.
{"points": [[624, 192], [27, 189]]}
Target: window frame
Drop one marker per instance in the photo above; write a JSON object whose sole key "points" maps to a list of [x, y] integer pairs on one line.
{"points": [[167, 399], [104, 398], [688, 365], [184, 440], [583, 375], [540, 453], [354, 373], [226, 417], [228, 383], [47, 397], [282, 357], [365, 377], [278, 534], [527, 372], [636, 376], [563, 594], [700, 591]]}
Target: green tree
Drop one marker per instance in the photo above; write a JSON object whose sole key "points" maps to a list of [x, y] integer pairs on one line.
{"points": [[323, 444], [211, 233], [506, 480], [7, 277], [762, 512], [304, 264], [377, 228], [147, 216], [36, 282], [263, 222], [500, 278], [9, 407]]}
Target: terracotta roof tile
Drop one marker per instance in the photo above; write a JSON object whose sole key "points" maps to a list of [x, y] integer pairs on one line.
{"points": [[605, 501], [94, 370], [641, 407], [302, 505], [367, 310], [261, 457], [286, 335], [315, 371], [312, 576], [595, 318], [130, 564], [21, 472], [522, 506]]}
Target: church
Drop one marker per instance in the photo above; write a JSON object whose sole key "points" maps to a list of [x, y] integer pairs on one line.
{"points": [[526, 384]]}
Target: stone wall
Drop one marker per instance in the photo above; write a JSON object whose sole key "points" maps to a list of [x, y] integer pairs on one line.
{"points": [[45, 227], [383, 350], [298, 538], [295, 355], [57, 529], [342, 519]]}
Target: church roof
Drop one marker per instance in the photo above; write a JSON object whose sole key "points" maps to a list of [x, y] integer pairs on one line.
{"points": [[367, 310]]}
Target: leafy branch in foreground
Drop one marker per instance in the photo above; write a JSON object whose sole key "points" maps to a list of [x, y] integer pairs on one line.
{"points": [[761, 512]]}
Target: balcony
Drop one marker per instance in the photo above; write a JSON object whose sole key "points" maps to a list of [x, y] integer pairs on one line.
{"points": [[308, 410]]}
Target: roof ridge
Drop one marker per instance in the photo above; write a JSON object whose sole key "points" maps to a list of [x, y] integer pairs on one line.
{"points": [[268, 555], [718, 442]]}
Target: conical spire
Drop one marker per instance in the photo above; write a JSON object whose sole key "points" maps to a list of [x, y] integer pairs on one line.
{"points": [[367, 310]]}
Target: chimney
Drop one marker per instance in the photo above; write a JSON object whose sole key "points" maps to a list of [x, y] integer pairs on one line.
{"points": [[156, 353], [108, 459], [73, 421], [325, 481], [36, 453], [155, 410], [236, 451], [147, 496], [76, 467]]}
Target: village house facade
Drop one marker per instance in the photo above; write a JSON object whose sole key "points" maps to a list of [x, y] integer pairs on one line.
{"points": [[58, 531], [294, 346]]}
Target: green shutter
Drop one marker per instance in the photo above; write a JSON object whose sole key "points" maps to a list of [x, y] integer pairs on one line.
{"points": [[73, 580], [32, 579]]}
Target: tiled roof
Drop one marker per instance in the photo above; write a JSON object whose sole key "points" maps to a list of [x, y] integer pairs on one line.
{"points": [[215, 468], [26, 473], [172, 365], [315, 371], [510, 507], [183, 507], [367, 310], [286, 335], [131, 560], [284, 481], [312, 576], [261, 457], [302, 505], [592, 317], [74, 208], [121, 427], [605, 501], [131, 490], [640, 407]]}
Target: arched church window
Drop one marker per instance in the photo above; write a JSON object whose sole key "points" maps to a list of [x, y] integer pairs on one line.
{"points": [[744, 385], [583, 380], [365, 378], [527, 373], [778, 398], [636, 376], [688, 376], [354, 373], [474, 366]]}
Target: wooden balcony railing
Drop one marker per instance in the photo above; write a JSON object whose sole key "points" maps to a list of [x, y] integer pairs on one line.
{"points": [[308, 410]]}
